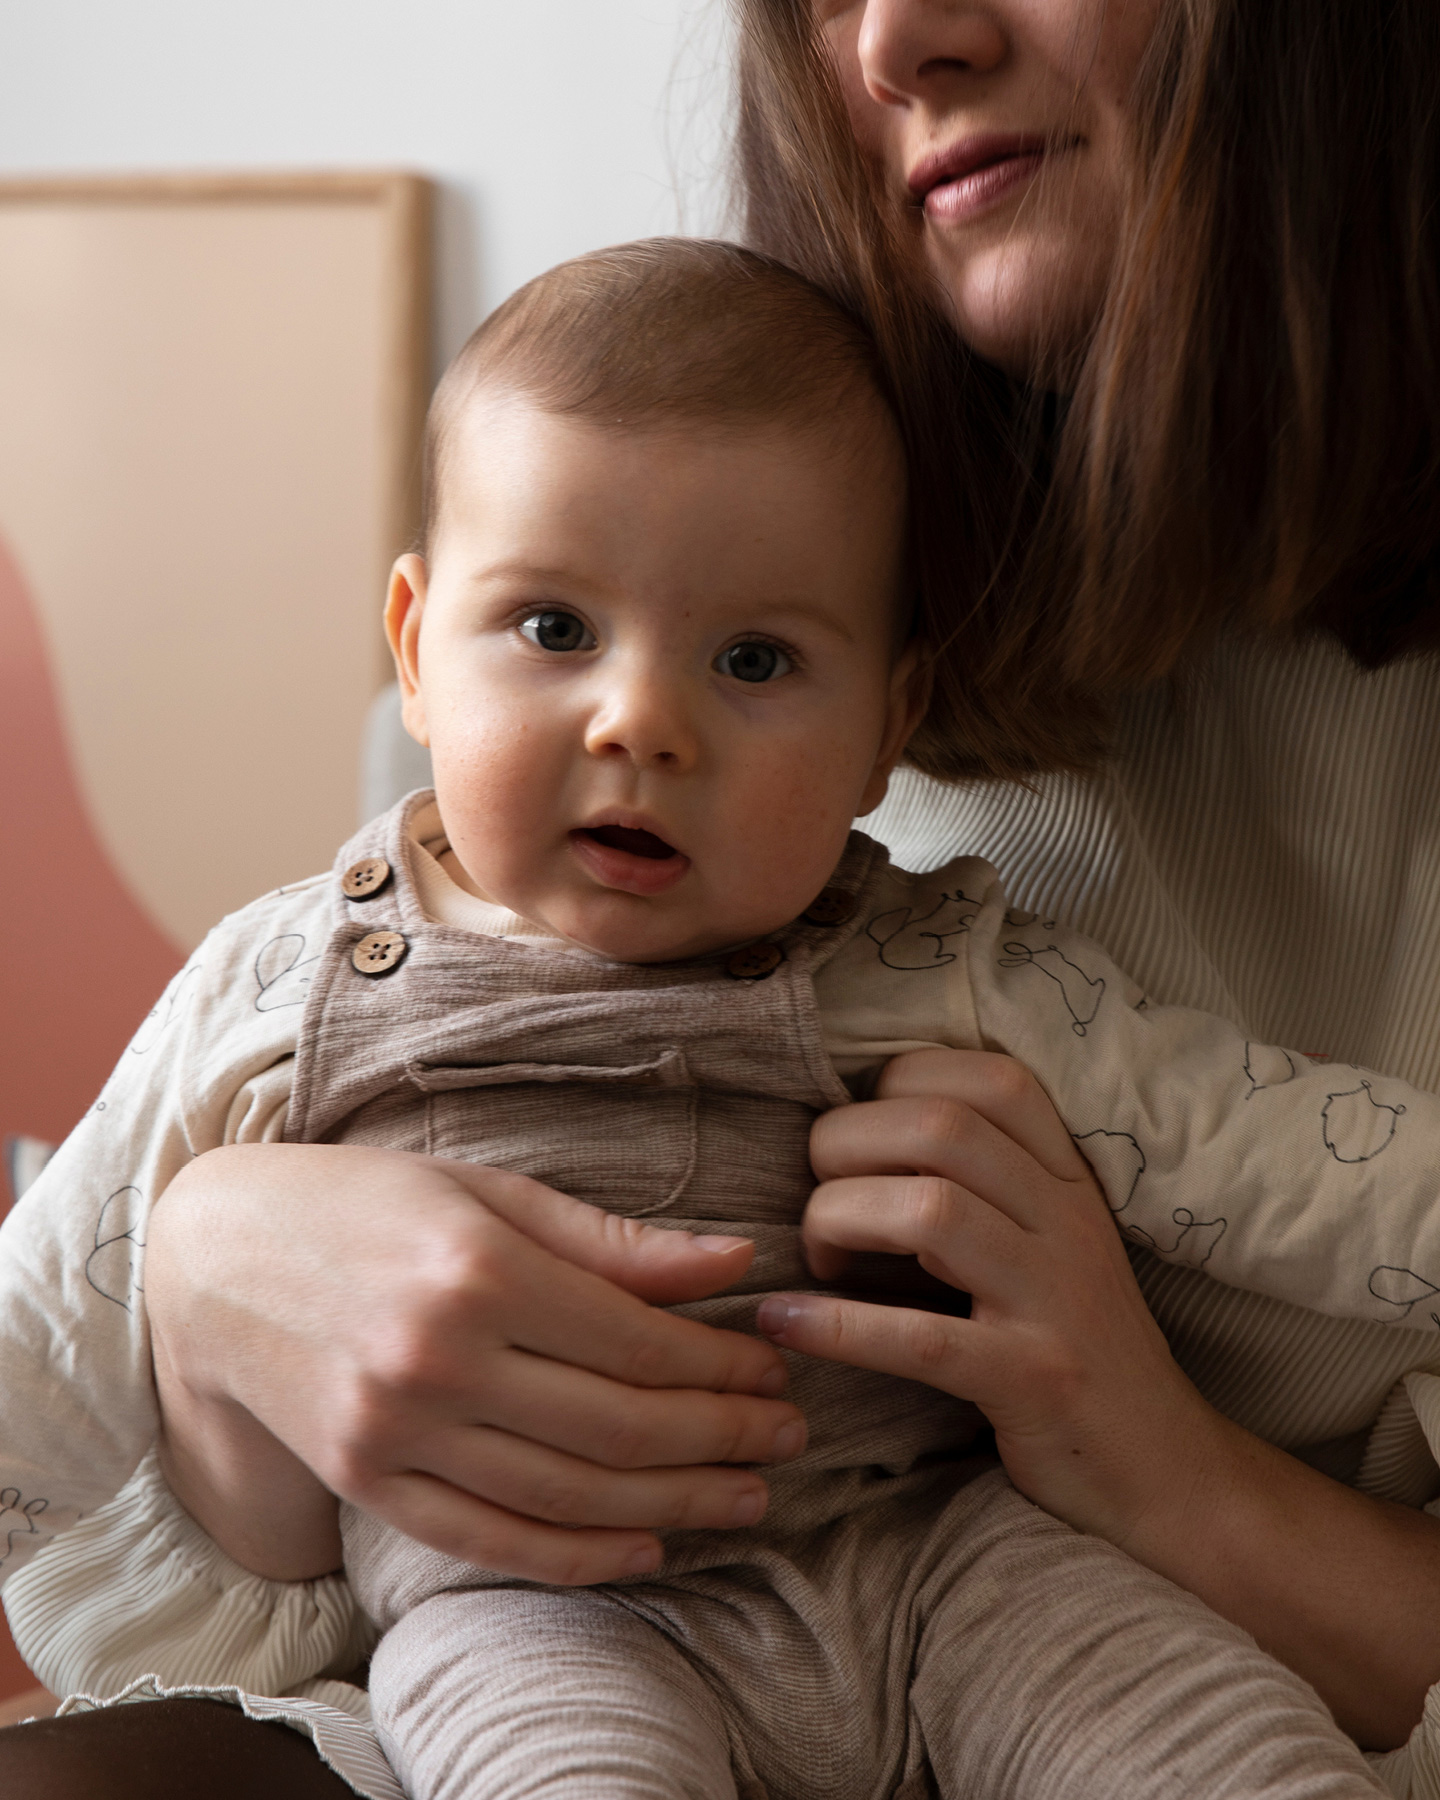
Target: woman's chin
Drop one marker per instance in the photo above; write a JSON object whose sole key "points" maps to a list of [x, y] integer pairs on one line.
{"points": [[1026, 306]]}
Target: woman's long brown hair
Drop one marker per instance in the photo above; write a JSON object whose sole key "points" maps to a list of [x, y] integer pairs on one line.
{"points": [[1251, 439]]}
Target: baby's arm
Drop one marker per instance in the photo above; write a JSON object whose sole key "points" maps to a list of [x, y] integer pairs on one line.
{"points": [[255, 1498], [1314, 1183]]}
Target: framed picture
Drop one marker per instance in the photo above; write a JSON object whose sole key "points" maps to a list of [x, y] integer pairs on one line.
{"points": [[212, 390]]}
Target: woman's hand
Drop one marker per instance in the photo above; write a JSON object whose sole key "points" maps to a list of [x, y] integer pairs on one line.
{"points": [[963, 1162], [463, 1352]]}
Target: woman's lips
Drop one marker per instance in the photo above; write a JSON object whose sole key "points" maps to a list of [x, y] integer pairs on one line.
{"points": [[969, 177], [950, 202], [636, 862]]}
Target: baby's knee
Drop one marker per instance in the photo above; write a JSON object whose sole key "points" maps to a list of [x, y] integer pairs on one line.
{"points": [[499, 1694]]}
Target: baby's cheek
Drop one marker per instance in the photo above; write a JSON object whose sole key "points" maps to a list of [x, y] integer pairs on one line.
{"points": [[792, 834]]}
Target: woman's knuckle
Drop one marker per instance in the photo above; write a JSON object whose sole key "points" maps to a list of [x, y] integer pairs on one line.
{"points": [[932, 1205], [733, 1436], [623, 1233], [406, 1361], [447, 1288], [929, 1343], [1053, 1367], [942, 1120], [622, 1443], [556, 1497], [479, 1269], [837, 1327], [1006, 1081], [646, 1361], [678, 1509]]}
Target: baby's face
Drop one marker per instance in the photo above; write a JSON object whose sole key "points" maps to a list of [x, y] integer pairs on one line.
{"points": [[656, 669]]}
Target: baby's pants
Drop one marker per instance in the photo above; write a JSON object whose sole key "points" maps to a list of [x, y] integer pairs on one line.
{"points": [[979, 1649]]}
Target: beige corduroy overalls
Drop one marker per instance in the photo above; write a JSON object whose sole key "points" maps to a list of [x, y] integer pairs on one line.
{"points": [[901, 1619]]}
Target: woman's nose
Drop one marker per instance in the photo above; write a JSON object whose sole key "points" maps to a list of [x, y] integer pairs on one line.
{"points": [[910, 48], [644, 719]]}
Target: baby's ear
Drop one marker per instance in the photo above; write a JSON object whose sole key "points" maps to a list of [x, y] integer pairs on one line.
{"points": [[911, 682], [404, 609], [912, 686]]}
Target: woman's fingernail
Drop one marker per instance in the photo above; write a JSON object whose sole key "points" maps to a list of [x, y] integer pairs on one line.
{"points": [[789, 1441], [773, 1383], [718, 1246], [644, 1561], [749, 1507], [775, 1314]]}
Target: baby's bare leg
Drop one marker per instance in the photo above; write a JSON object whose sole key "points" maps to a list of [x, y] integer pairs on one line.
{"points": [[1052, 1667], [518, 1694]]}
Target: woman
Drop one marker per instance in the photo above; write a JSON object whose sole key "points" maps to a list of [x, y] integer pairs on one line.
{"points": [[1207, 226]]}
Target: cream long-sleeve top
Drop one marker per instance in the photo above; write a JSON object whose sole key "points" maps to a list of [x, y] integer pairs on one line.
{"points": [[1268, 848]]}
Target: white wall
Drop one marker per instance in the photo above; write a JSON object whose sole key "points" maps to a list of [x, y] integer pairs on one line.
{"points": [[554, 125]]}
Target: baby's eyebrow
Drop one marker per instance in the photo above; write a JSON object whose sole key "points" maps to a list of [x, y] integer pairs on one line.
{"points": [[535, 574], [812, 614]]}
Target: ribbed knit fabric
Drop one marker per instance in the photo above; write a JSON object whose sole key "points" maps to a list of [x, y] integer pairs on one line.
{"points": [[1265, 844]]}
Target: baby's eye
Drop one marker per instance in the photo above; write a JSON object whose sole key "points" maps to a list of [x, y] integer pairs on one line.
{"points": [[558, 631], [755, 661]]}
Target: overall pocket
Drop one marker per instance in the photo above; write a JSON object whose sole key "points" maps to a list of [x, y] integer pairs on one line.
{"points": [[622, 1138]]}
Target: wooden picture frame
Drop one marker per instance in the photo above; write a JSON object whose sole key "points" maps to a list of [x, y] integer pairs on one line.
{"points": [[213, 389]]}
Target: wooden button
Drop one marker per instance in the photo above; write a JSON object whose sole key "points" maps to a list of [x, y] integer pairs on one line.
{"points": [[753, 962], [380, 952], [365, 878], [831, 906]]}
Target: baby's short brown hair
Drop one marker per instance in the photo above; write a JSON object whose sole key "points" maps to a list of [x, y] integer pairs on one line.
{"points": [[668, 330]]}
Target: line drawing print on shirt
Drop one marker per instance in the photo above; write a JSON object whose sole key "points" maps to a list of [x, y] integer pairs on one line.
{"points": [[1082, 994], [1401, 1288], [13, 1505], [1119, 1162], [278, 972], [164, 1012], [1193, 1235], [1021, 921], [1268, 1066], [1357, 1132], [903, 938], [112, 1270]]}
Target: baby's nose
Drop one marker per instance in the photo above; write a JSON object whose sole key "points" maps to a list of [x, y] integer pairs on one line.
{"points": [[648, 722]]}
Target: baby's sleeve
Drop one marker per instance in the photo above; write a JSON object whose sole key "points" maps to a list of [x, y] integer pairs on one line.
{"points": [[139, 1590], [1313, 1182], [77, 1400], [77, 1405]]}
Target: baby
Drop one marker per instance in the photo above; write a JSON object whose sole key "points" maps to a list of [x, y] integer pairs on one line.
{"points": [[661, 646]]}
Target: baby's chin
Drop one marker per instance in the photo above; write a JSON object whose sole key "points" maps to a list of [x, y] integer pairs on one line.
{"points": [[619, 928]]}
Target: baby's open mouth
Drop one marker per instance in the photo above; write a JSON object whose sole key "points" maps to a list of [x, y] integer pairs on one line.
{"points": [[637, 843], [629, 858]]}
